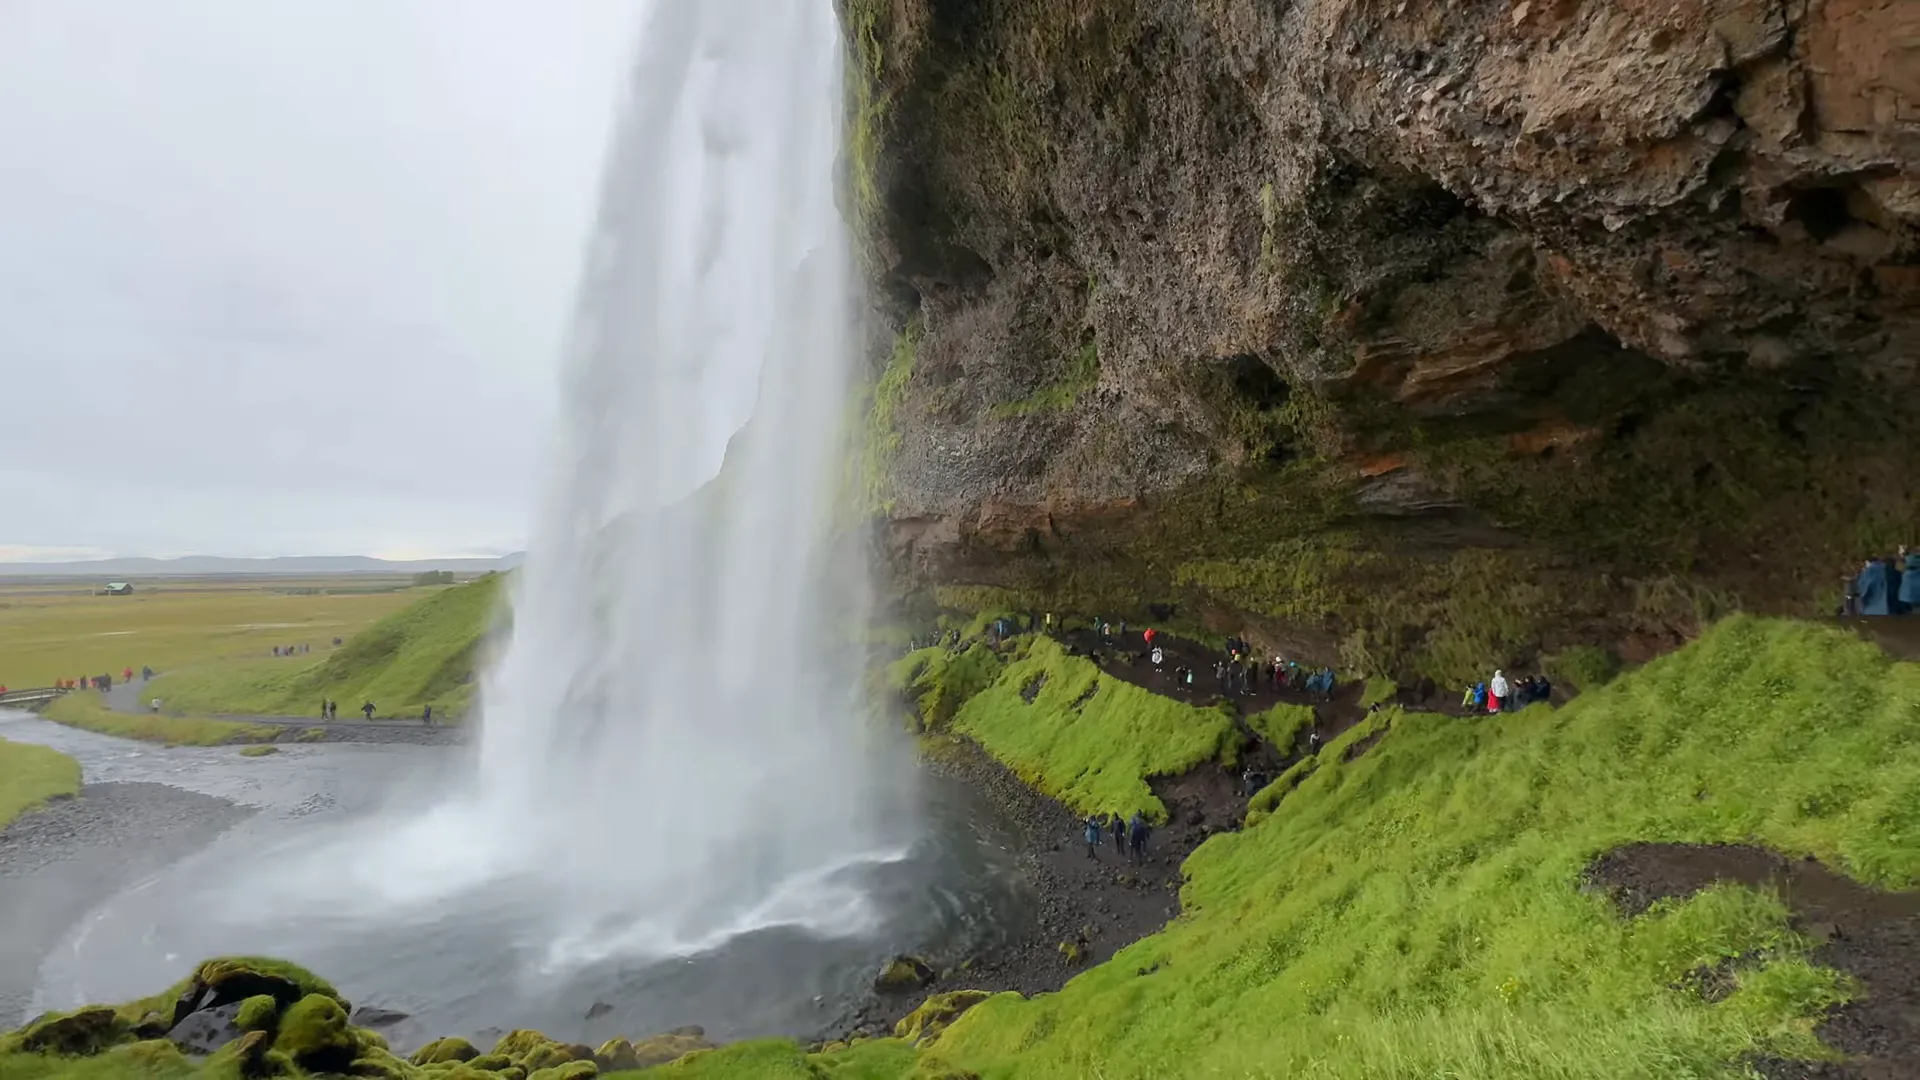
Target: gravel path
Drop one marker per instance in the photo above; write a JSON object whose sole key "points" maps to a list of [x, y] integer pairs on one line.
{"points": [[57, 863]]}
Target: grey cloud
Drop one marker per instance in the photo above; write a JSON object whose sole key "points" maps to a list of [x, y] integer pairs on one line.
{"points": [[289, 277]]}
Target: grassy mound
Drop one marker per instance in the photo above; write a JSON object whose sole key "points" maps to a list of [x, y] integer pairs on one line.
{"points": [[1083, 737], [86, 710], [1418, 912], [426, 653], [30, 775]]}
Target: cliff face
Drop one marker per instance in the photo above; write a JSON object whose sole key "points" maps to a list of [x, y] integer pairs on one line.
{"points": [[1439, 334]]}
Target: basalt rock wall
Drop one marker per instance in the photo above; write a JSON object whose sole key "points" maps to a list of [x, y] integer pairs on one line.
{"points": [[1432, 334]]}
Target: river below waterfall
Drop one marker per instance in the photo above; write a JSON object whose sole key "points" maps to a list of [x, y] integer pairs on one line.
{"points": [[483, 960]]}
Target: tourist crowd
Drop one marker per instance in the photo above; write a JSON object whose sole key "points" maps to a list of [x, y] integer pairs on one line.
{"points": [[1884, 585]]}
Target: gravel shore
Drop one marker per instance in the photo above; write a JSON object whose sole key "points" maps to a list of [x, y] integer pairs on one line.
{"points": [[56, 863]]}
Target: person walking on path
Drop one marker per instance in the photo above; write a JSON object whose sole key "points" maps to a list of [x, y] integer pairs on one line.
{"points": [[1118, 826], [426, 715], [367, 710], [1497, 692], [1138, 836], [156, 705], [1093, 837]]}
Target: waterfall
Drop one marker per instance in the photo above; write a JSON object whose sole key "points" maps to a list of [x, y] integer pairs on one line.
{"points": [[674, 729]]}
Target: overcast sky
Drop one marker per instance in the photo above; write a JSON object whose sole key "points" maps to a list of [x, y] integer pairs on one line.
{"points": [[289, 276]]}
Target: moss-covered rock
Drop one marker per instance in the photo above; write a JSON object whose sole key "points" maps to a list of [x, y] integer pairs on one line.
{"points": [[314, 1033], [669, 1047], [80, 1033], [572, 1070], [490, 1062], [615, 1055], [446, 1050], [519, 1043], [903, 974], [258, 1013], [381, 1065], [925, 1023], [253, 1055]]}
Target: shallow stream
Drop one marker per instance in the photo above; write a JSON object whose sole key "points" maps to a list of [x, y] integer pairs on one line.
{"points": [[484, 960]]}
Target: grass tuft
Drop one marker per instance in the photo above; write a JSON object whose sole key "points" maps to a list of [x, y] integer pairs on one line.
{"points": [[30, 775]]}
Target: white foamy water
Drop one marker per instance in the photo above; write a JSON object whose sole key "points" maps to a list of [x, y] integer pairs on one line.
{"points": [[672, 750]]}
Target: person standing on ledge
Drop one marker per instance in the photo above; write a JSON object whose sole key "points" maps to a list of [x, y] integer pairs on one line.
{"points": [[1118, 826], [367, 710], [1138, 828], [1093, 837], [426, 715]]}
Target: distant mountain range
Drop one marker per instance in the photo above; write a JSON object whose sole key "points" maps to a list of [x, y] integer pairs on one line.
{"points": [[207, 565]]}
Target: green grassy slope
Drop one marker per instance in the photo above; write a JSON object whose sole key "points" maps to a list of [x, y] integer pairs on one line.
{"points": [[30, 775], [1087, 739], [1418, 912], [86, 710], [427, 652]]}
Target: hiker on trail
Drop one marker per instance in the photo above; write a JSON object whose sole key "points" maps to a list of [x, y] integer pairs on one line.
{"points": [[1189, 678], [367, 710], [1497, 692], [1137, 836], [1873, 589], [1123, 629], [1148, 635], [1093, 837], [1542, 689], [156, 704], [426, 715], [145, 673], [1158, 657], [1117, 825], [1313, 740], [126, 675], [1909, 592]]}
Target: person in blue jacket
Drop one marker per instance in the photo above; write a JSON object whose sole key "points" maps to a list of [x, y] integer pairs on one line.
{"points": [[1909, 592], [1093, 837], [1874, 587]]}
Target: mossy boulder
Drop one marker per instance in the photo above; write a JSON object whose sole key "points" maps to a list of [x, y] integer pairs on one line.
{"points": [[381, 1065], [903, 974], [518, 1044], [314, 1033], [251, 1054], [226, 980], [446, 1050], [616, 1055], [490, 1062], [925, 1023], [258, 1013], [80, 1033], [669, 1047], [572, 1070]]}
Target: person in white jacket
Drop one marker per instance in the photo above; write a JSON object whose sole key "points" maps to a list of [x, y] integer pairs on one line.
{"points": [[1497, 692]]}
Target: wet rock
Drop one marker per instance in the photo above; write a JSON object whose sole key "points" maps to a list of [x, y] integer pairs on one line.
{"points": [[925, 1023], [208, 1030], [692, 1031], [445, 1050], [598, 1009], [903, 974], [370, 1016], [314, 1033], [80, 1033]]}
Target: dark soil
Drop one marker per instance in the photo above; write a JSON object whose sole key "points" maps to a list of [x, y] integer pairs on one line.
{"points": [[1098, 906], [1872, 935]]}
